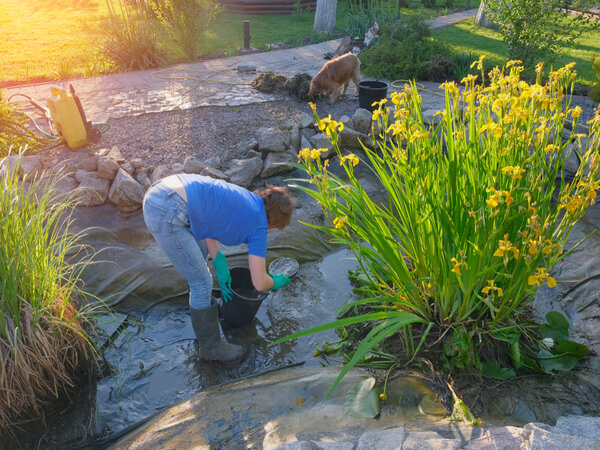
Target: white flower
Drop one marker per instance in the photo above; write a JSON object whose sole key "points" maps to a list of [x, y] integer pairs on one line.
{"points": [[548, 342]]}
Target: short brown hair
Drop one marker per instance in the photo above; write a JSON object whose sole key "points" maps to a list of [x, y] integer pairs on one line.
{"points": [[279, 205]]}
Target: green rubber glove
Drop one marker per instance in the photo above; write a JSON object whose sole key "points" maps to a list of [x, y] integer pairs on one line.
{"points": [[279, 280], [223, 276]]}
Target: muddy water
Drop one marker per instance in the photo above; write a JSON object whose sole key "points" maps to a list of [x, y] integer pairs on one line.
{"points": [[152, 350]]}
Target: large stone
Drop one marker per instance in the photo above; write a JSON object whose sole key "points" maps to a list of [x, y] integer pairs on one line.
{"points": [[92, 190], [588, 427], [89, 164], [243, 171], [350, 138], [498, 438], [362, 120], [193, 165], [305, 120], [347, 121], [159, 173], [320, 141], [64, 168], [294, 143], [390, 439], [141, 176], [30, 166], [246, 145], [276, 164], [128, 167], [116, 154], [272, 139], [429, 440], [64, 186], [317, 445], [126, 192], [80, 175], [307, 133], [539, 438], [107, 168]]}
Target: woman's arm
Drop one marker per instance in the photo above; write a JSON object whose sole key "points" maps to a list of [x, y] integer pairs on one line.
{"points": [[258, 270], [213, 247]]}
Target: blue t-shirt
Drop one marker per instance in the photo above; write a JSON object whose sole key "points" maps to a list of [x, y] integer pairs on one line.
{"points": [[226, 213]]}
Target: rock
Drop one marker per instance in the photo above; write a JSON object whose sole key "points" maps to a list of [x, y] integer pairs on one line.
{"points": [[128, 167], [246, 145], [276, 164], [99, 152], [90, 164], [429, 116], [158, 173], [362, 120], [213, 172], [177, 167], [382, 439], [193, 165], [307, 133], [137, 163], [588, 427], [30, 166], [63, 168], [107, 168], [92, 191], [294, 143], [243, 171], [540, 439], [349, 138], [317, 445], [499, 438], [80, 175], [304, 143], [253, 154], [347, 121], [305, 120], [272, 139], [126, 192], [429, 440], [64, 186], [116, 154], [571, 158], [320, 141], [284, 124], [143, 178]]}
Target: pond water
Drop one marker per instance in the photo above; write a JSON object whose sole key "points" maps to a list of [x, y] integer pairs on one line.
{"points": [[151, 350]]}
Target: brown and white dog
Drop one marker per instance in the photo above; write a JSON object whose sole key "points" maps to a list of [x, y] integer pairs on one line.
{"points": [[336, 73]]}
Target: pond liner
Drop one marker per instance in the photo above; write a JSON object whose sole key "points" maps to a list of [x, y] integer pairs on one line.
{"points": [[110, 439]]}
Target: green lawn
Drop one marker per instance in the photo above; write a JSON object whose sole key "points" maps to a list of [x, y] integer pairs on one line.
{"points": [[468, 37], [50, 39]]}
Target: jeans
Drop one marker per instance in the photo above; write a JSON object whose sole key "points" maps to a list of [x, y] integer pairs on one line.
{"points": [[166, 216]]}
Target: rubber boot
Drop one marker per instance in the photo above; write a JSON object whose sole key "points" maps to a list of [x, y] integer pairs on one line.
{"points": [[208, 333]]}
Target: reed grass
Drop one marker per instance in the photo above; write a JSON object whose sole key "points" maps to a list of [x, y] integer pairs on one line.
{"points": [[43, 344]]}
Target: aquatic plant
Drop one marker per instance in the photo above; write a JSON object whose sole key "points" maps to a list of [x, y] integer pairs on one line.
{"points": [[478, 211], [43, 345]]}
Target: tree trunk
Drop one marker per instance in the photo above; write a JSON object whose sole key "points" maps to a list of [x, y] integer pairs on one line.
{"points": [[481, 17], [325, 15]]}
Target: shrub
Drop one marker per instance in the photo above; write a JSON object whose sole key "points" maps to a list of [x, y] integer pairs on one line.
{"points": [[131, 39], [362, 15], [185, 20], [470, 228], [439, 68], [429, 3], [402, 52], [535, 28], [13, 131], [43, 349]]}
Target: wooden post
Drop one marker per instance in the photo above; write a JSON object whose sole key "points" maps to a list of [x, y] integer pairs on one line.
{"points": [[246, 35]]}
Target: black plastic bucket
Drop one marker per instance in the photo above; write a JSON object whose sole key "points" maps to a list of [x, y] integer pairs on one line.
{"points": [[370, 92], [245, 300]]}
